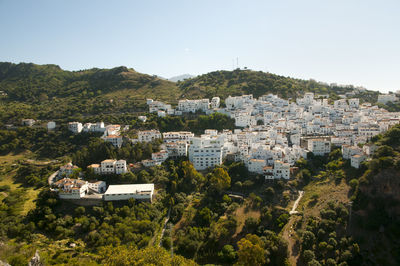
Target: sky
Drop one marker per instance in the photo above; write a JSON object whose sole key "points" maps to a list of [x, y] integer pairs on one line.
{"points": [[336, 41]]}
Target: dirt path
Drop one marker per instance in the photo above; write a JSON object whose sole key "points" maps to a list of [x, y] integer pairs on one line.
{"points": [[288, 232], [296, 203], [164, 226]]}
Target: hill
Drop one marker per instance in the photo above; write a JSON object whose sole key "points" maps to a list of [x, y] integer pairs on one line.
{"points": [[49, 92], [238, 82]]}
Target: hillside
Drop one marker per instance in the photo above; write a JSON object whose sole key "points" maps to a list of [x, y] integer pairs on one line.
{"points": [[49, 92], [32, 83], [238, 82]]}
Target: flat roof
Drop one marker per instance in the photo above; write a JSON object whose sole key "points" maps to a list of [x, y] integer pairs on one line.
{"points": [[129, 189]]}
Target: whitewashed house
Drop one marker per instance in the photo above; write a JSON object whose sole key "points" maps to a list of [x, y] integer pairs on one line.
{"points": [[114, 140], [148, 135], [357, 159], [71, 188], [97, 186], [75, 127], [205, 153], [319, 146], [175, 136], [126, 192]]}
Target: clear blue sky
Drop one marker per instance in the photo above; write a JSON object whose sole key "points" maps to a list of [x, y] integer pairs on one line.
{"points": [[343, 41]]}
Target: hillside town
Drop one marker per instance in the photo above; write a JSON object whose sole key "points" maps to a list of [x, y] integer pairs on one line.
{"points": [[271, 135]]}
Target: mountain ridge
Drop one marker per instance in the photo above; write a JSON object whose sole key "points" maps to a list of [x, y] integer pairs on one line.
{"points": [[57, 93]]}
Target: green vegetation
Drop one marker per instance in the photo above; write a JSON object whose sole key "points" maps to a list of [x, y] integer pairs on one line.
{"points": [[47, 92], [223, 215]]}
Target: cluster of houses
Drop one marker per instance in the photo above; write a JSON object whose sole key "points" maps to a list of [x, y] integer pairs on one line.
{"points": [[111, 133], [68, 187], [274, 133], [271, 135], [184, 106]]}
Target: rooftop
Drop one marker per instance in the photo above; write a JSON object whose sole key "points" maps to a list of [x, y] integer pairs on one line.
{"points": [[129, 189]]}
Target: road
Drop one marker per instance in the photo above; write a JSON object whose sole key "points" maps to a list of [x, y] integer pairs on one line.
{"points": [[50, 180]]}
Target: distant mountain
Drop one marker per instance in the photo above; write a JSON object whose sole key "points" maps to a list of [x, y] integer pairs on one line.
{"points": [[181, 77]]}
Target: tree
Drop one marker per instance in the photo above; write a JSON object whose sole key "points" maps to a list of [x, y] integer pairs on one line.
{"points": [[308, 255], [205, 216], [219, 180], [122, 255], [330, 262], [308, 239], [192, 180], [250, 251], [227, 254], [80, 210], [269, 193]]}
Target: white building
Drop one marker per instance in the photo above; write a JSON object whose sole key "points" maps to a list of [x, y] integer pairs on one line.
{"points": [[75, 127], [369, 130], [354, 103], [238, 101], [142, 118], [357, 159], [114, 140], [120, 167], [175, 136], [28, 122], [51, 125], [96, 168], [94, 127], [177, 149], [348, 151], [155, 106], [97, 186], [161, 113], [369, 149], [205, 153], [256, 165], [67, 170], [110, 166], [150, 163], [126, 192], [278, 171], [215, 101], [319, 146], [148, 135], [192, 106], [71, 188], [160, 156]]}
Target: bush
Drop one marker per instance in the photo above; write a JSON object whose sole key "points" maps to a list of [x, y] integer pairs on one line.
{"points": [[308, 255]]}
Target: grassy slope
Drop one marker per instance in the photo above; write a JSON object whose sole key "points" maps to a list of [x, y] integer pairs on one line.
{"points": [[327, 191], [7, 178]]}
